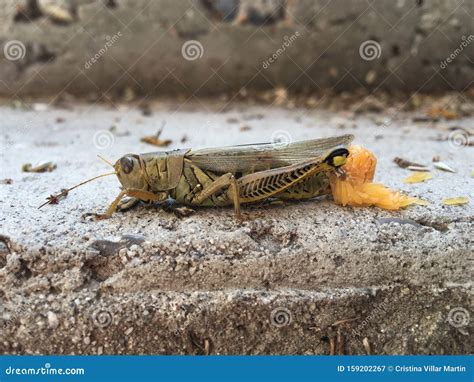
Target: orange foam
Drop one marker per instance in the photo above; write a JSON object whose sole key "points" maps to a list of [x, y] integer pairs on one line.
{"points": [[356, 187]]}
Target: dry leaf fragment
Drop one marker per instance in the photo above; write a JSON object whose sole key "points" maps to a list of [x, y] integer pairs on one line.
{"points": [[443, 166], [366, 344], [155, 139], [245, 128], [418, 202], [421, 118], [441, 112], [44, 167], [6, 181], [281, 95], [118, 133], [418, 177], [146, 109], [418, 168], [405, 163], [58, 15], [460, 200]]}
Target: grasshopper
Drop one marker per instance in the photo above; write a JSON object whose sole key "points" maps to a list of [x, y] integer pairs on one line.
{"points": [[232, 175]]}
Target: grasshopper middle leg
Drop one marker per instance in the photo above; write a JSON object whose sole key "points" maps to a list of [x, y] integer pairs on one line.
{"points": [[226, 180]]}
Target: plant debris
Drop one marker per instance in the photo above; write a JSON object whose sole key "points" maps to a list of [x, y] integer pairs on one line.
{"points": [[460, 200], [421, 118], [245, 128], [405, 163], [58, 15], [118, 133], [146, 109], [183, 211], [366, 344], [6, 181], [155, 139], [436, 113], [44, 167], [443, 166], [418, 168], [369, 104], [281, 95], [417, 177], [55, 199]]}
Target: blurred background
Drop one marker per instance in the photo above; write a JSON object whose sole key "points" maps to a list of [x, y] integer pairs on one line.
{"points": [[125, 49]]}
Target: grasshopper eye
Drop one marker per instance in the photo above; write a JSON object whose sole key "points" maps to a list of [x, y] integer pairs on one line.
{"points": [[126, 163]]}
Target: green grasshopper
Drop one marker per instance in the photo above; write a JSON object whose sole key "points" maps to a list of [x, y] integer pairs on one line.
{"points": [[232, 175]]}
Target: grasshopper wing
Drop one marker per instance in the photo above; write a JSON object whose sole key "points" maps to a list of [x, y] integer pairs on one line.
{"points": [[264, 156]]}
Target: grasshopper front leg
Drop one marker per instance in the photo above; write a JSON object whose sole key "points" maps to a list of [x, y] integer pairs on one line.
{"points": [[139, 194]]}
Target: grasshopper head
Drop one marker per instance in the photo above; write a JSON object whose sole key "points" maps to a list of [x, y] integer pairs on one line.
{"points": [[337, 158], [129, 172]]}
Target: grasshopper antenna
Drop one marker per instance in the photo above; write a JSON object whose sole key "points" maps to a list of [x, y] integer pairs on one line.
{"points": [[54, 199], [105, 160]]}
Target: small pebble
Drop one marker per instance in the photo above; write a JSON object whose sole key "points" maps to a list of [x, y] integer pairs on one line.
{"points": [[53, 321]]}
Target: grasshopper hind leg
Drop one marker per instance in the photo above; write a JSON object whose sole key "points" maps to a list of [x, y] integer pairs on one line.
{"points": [[309, 188]]}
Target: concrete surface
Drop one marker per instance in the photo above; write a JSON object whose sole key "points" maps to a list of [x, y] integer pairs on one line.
{"points": [[311, 45], [301, 277]]}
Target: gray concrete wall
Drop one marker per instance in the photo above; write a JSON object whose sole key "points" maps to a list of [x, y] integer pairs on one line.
{"points": [[49, 46]]}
